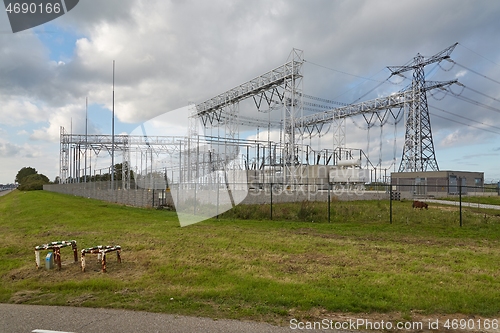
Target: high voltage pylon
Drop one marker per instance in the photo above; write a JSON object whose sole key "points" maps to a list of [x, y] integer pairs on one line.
{"points": [[418, 150]]}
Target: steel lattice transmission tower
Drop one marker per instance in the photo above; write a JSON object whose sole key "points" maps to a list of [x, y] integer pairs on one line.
{"points": [[418, 150]]}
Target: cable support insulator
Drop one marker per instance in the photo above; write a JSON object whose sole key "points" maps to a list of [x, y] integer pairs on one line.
{"points": [[313, 110], [358, 126], [398, 83], [433, 95], [326, 107], [457, 94], [447, 70], [327, 131], [324, 100], [397, 120]]}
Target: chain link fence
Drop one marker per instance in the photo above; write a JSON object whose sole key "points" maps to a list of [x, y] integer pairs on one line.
{"points": [[311, 202]]}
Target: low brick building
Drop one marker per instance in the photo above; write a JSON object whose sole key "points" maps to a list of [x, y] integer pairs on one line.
{"points": [[436, 183]]}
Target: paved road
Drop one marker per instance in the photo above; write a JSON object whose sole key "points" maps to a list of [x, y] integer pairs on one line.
{"points": [[464, 204], [15, 318], [4, 192]]}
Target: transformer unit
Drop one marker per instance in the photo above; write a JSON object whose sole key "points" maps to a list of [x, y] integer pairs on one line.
{"points": [[347, 174]]}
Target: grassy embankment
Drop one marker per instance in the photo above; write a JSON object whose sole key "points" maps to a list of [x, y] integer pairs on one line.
{"points": [[255, 269]]}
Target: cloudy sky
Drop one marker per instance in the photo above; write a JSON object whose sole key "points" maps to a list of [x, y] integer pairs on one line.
{"points": [[172, 53]]}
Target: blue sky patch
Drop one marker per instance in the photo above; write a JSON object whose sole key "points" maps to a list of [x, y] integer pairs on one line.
{"points": [[60, 42]]}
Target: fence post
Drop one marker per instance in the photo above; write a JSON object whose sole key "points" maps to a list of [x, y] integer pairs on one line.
{"points": [[271, 201], [390, 205], [195, 196], [329, 202], [460, 198], [218, 185]]}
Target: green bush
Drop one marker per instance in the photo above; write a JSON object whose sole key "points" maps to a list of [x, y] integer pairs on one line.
{"points": [[33, 182]]}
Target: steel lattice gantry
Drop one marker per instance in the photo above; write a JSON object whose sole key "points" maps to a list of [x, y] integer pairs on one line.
{"points": [[418, 149], [397, 100], [283, 83], [74, 146]]}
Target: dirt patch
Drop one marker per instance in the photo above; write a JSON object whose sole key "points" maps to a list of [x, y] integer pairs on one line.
{"points": [[79, 300], [24, 296]]}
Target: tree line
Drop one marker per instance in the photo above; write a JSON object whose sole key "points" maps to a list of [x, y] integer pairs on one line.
{"points": [[29, 179]]}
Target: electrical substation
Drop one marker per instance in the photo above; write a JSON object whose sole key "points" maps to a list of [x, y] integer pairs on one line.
{"points": [[217, 148]]}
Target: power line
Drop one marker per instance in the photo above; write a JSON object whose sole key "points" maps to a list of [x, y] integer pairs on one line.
{"points": [[459, 122], [494, 63], [473, 71], [468, 119], [369, 91], [474, 102], [483, 94], [341, 72]]}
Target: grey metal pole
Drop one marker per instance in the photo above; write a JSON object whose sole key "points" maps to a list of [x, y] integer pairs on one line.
{"points": [[113, 136], [86, 138], [460, 198]]}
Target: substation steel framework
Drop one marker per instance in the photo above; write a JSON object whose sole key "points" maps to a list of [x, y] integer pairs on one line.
{"points": [[282, 85], [418, 151], [73, 148], [280, 88]]}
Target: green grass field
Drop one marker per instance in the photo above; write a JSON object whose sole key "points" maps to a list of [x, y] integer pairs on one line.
{"points": [[488, 200], [255, 268]]}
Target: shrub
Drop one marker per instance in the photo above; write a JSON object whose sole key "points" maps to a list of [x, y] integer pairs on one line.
{"points": [[33, 182]]}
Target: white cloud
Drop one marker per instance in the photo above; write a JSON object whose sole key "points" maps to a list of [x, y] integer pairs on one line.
{"points": [[8, 149], [459, 137], [67, 116], [18, 112], [460, 74]]}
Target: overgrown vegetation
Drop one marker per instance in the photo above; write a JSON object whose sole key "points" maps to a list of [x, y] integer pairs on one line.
{"points": [[255, 268]]}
